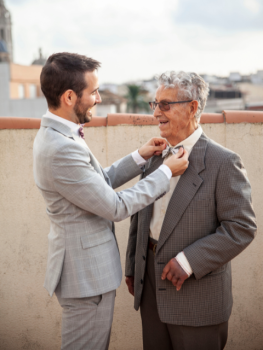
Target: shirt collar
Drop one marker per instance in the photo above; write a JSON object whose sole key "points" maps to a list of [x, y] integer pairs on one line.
{"points": [[73, 126], [191, 140]]}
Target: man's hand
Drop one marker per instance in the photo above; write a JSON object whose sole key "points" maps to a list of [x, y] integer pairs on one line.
{"points": [[153, 147], [130, 283], [178, 162], [174, 273]]}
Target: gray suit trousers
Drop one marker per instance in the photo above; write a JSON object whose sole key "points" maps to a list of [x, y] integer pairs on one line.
{"points": [[158, 335], [86, 322]]}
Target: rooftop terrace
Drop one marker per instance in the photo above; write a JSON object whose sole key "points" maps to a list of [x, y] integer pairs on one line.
{"points": [[30, 319]]}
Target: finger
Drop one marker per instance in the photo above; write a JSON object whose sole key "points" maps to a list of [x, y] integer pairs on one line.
{"points": [[179, 284], [157, 150], [179, 154], [181, 151], [159, 141], [174, 281], [165, 271], [131, 290], [169, 276], [185, 154]]}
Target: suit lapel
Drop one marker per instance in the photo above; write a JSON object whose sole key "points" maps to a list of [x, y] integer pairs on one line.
{"points": [[93, 159], [188, 185], [95, 163], [154, 164], [68, 132]]}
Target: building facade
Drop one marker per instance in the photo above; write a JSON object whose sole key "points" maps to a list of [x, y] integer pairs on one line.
{"points": [[6, 42]]}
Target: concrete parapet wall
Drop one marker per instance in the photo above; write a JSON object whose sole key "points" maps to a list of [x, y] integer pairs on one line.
{"points": [[30, 319]]}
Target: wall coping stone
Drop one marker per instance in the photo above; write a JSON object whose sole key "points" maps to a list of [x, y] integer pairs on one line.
{"points": [[233, 117], [229, 117]]}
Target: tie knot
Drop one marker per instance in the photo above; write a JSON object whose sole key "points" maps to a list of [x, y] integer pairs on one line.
{"points": [[169, 150], [81, 131]]}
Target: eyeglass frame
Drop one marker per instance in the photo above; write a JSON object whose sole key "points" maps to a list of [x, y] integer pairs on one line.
{"points": [[167, 103]]}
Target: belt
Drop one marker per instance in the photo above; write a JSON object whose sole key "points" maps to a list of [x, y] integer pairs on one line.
{"points": [[152, 246]]}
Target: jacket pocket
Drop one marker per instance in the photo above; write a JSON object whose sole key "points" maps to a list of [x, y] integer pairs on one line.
{"points": [[97, 238], [219, 270]]}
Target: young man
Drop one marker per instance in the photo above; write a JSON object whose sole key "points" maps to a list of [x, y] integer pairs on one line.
{"points": [[83, 267]]}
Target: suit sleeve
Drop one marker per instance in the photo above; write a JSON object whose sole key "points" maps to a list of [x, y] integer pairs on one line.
{"points": [[77, 181], [237, 223], [122, 171]]}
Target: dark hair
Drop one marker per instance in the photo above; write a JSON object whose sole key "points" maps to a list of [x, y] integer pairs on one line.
{"points": [[64, 71]]}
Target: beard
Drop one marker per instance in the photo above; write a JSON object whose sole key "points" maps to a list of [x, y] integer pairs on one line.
{"points": [[83, 112]]}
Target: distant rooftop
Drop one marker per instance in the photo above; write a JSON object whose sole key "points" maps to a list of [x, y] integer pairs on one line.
{"points": [[110, 98], [40, 61]]}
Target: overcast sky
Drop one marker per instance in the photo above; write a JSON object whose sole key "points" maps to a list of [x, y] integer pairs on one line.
{"points": [[140, 38]]}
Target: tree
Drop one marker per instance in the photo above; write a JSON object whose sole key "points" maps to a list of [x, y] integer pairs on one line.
{"points": [[135, 99]]}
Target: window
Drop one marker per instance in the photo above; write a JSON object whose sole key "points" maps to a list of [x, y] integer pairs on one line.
{"points": [[21, 91], [32, 91]]}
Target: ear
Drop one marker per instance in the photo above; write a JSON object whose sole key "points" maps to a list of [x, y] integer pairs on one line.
{"points": [[193, 108], [68, 98]]}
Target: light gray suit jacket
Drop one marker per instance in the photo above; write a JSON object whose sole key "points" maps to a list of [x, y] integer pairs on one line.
{"points": [[210, 217], [83, 255]]}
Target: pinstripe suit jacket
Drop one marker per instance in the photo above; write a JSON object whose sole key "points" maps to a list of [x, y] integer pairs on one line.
{"points": [[82, 205], [209, 217]]}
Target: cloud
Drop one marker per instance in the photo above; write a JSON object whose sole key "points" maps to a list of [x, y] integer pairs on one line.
{"points": [[136, 40], [15, 2], [223, 15]]}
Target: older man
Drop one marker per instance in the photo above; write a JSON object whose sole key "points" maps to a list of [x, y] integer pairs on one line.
{"points": [[180, 247]]}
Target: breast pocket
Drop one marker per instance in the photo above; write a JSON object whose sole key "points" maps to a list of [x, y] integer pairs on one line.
{"points": [[201, 204], [94, 239]]}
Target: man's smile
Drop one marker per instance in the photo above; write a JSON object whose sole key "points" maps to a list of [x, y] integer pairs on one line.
{"points": [[162, 123]]}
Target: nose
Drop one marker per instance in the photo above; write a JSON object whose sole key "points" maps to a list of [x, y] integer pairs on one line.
{"points": [[157, 112], [98, 98]]}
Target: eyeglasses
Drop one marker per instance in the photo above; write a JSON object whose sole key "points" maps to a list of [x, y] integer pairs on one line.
{"points": [[163, 105]]}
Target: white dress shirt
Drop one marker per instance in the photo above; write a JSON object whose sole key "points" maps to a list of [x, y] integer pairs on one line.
{"points": [[73, 126], [160, 206]]}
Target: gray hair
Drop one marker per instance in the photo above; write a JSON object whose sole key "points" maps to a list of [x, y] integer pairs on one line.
{"points": [[190, 86]]}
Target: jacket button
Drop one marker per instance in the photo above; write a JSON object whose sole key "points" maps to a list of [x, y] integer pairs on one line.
{"points": [[141, 281], [143, 257]]}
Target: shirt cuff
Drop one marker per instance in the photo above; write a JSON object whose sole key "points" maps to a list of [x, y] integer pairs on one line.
{"points": [[166, 170], [139, 160], [183, 262]]}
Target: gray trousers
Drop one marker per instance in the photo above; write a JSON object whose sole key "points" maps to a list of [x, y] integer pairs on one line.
{"points": [[158, 335], [86, 322]]}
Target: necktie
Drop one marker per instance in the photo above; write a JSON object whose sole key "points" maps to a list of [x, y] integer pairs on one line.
{"points": [[81, 131], [169, 150]]}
